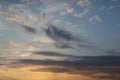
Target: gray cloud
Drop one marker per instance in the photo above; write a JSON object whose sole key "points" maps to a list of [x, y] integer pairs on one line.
{"points": [[85, 65], [29, 29], [63, 45], [65, 39], [82, 63], [59, 34], [52, 53]]}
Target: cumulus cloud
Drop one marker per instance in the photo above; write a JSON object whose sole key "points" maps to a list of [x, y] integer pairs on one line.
{"points": [[80, 15], [85, 5], [21, 15], [70, 10]]}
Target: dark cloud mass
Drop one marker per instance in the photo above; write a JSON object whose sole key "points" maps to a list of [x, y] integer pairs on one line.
{"points": [[52, 53], [64, 38], [59, 34], [84, 61], [86, 65], [29, 29]]}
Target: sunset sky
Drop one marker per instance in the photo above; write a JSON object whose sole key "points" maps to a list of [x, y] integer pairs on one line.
{"points": [[59, 39]]}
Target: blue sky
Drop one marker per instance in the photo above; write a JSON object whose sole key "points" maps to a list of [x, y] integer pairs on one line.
{"points": [[59, 29], [97, 22]]}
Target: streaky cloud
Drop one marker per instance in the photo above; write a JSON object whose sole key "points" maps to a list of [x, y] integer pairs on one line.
{"points": [[82, 62], [85, 65], [65, 39], [52, 53], [59, 34], [52, 69], [29, 29]]}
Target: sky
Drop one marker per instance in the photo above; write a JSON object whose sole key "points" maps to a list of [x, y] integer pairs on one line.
{"points": [[60, 39]]}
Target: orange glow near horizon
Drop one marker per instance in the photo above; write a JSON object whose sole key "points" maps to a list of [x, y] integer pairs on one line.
{"points": [[25, 74]]}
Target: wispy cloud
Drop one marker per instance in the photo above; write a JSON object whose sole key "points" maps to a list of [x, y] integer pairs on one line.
{"points": [[95, 19], [64, 38], [21, 15]]}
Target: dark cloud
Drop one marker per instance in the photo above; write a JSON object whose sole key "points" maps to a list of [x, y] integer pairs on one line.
{"points": [[52, 53], [65, 39], [29, 29], [83, 62], [85, 65], [59, 34]]}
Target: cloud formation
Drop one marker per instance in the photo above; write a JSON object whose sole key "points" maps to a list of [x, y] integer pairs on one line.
{"points": [[81, 63], [64, 38], [60, 38], [85, 65], [95, 19], [52, 53], [30, 29]]}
